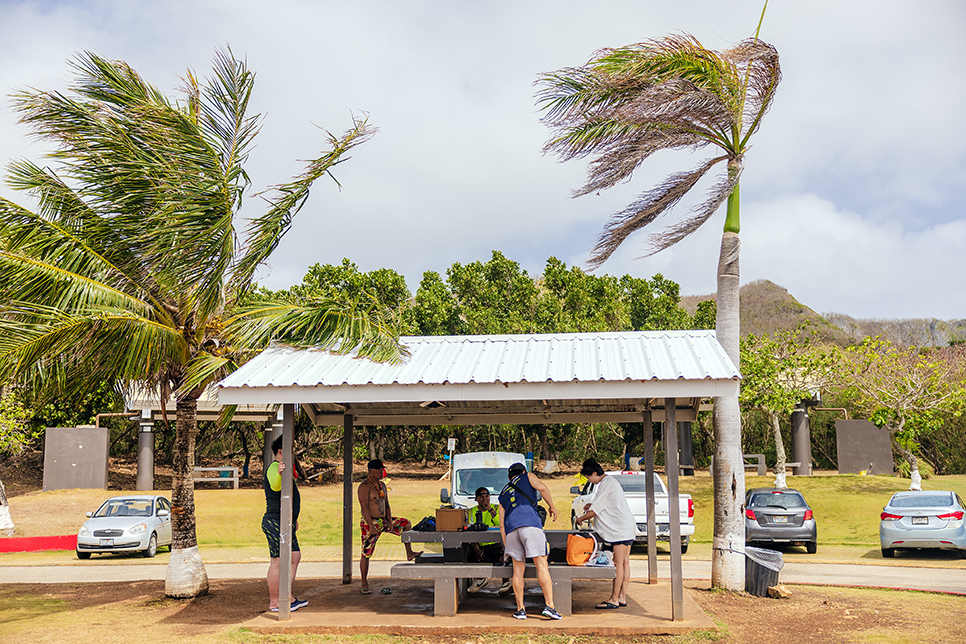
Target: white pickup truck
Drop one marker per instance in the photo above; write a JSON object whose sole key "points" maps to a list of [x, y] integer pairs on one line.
{"points": [[475, 470], [633, 484]]}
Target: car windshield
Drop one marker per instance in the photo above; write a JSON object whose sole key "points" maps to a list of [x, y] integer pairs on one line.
{"points": [[125, 508], [492, 478], [921, 500], [786, 500], [635, 483]]}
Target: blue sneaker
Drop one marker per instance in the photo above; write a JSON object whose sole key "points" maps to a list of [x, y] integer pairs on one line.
{"points": [[551, 613], [521, 614], [297, 604]]}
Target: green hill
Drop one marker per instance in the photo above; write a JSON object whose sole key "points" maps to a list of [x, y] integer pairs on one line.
{"points": [[767, 307]]}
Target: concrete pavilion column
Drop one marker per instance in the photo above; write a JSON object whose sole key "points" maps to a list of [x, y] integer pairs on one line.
{"points": [[273, 430], [801, 441], [145, 478]]}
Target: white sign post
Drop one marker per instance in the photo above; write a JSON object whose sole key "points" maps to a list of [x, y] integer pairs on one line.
{"points": [[451, 447]]}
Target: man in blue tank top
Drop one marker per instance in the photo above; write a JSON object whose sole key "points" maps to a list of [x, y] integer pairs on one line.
{"points": [[523, 536]]}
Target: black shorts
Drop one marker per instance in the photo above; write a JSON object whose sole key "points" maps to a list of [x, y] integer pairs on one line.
{"points": [[610, 546], [272, 527]]}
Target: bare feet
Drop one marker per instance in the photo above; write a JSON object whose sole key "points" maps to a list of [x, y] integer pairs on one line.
{"points": [[412, 555]]}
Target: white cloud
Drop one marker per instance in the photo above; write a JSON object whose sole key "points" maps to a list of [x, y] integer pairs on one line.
{"points": [[864, 142]]}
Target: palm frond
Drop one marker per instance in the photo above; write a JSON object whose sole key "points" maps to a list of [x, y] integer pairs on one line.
{"points": [[202, 369], [758, 62], [264, 233], [701, 213], [101, 345], [645, 209], [318, 323]]}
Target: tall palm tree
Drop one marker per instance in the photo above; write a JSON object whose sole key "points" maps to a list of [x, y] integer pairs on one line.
{"points": [[131, 268], [672, 93]]}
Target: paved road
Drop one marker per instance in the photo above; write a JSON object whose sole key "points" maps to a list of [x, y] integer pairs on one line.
{"points": [[947, 580]]}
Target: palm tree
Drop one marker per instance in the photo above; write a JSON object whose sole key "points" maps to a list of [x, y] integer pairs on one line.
{"points": [[131, 269], [672, 93]]}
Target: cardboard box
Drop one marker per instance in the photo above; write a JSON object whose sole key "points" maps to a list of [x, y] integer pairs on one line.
{"points": [[451, 519]]}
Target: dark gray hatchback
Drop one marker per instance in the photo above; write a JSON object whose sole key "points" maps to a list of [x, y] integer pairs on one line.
{"points": [[776, 515]]}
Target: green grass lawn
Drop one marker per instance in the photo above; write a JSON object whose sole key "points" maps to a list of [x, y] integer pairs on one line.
{"points": [[846, 507]]}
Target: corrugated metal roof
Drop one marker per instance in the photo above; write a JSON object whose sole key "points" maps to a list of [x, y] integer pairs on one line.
{"points": [[504, 359]]}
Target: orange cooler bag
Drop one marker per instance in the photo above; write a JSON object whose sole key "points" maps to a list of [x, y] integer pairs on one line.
{"points": [[580, 549]]}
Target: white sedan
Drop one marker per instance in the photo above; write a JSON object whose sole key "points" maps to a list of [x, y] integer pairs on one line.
{"points": [[634, 486], [136, 523]]}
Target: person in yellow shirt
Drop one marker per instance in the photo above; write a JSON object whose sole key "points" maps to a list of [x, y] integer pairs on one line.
{"points": [[486, 514], [272, 527]]}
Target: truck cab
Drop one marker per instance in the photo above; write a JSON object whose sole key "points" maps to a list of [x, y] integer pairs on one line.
{"points": [[476, 470]]}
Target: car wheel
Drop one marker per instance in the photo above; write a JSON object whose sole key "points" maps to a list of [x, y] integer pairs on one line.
{"points": [[811, 547], [573, 521], [83, 555], [888, 553], [152, 548]]}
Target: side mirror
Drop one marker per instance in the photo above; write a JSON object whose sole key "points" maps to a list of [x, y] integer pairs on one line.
{"points": [[163, 513], [444, 495], [88, 514], [575, 489]]}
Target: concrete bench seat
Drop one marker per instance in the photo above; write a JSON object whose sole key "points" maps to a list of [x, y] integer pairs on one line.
{"points": [[450, 591]]}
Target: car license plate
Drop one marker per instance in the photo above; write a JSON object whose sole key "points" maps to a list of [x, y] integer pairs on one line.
{"points": [[920, 520], [109, 543], [780, 519]]}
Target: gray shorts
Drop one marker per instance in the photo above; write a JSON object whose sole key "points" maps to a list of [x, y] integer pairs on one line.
{"points": [[527, 541]]}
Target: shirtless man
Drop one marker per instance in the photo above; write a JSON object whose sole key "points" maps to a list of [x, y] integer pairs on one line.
{"points": [[377, 518]]}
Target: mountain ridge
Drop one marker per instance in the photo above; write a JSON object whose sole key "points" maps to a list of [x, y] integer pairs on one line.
{"points": [[767, 308]]}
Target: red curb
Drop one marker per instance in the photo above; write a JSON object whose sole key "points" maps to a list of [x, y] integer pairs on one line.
{"points": [[33, 544]]}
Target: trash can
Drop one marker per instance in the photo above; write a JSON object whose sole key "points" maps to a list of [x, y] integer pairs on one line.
{"points": [[225, 485], [761, 570]]}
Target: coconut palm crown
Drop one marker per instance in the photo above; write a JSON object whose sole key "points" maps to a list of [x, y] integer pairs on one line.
{"points": [[131, 269], [671, 93]]}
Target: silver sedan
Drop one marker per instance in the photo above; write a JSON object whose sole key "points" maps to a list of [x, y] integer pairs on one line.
{"points": [[135, 523], [923, 519], [780, 515]]}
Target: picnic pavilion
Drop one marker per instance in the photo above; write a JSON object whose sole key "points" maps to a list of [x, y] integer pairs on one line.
{"points": [[633, 376]]}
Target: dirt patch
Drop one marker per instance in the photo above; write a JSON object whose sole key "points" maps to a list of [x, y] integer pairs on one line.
{"points": [[831, 614], [110, 612]]}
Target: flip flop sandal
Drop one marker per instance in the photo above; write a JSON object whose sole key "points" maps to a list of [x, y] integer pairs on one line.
{"points": [[366, 591], [387, 591], [622, 604], [606, 605]]}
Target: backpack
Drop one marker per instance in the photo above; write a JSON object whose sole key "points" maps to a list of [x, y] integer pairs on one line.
{"points": [[426, 524]]}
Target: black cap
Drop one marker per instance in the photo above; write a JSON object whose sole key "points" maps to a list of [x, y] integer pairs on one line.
{"points": [[375, 464], [516, 468]]}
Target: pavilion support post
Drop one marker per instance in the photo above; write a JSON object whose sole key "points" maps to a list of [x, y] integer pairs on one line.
{"points": [[649, 490], [347, 440], [285, 542], [674, 505]]}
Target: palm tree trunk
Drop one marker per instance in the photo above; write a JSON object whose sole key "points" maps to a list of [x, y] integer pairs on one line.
{"points": [[186, 576], [779, 451], [728, 554]]}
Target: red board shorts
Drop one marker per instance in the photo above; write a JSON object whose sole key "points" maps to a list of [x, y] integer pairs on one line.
{"points": [[398, 526]]}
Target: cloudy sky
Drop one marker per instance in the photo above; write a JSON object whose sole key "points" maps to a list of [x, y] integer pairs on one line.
{"points": [[849, 196]]}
